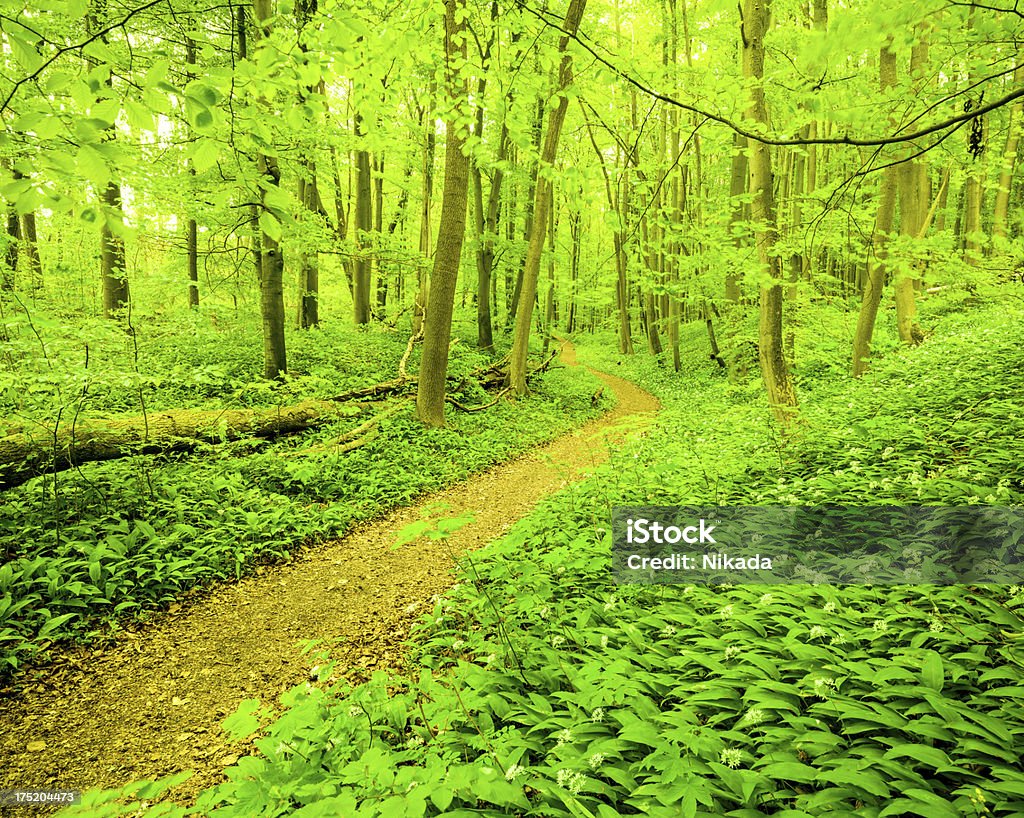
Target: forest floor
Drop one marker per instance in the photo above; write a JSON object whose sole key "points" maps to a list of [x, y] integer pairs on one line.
{"points": [[152, 703]]}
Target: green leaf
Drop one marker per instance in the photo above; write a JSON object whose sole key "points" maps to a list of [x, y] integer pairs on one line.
{"points": [[789, 771], [932, 671], [245, 720], [92, 165], [921, 802], [270, 225], [931, 756], [205, 154], [53, 624]]}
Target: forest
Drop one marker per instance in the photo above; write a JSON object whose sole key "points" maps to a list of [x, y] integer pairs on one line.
{"points": [[346, 346]]}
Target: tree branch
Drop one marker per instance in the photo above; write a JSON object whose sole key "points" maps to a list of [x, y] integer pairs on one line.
{"points": [[876, 141]]}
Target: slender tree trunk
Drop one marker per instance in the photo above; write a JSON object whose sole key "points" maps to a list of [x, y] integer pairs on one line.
{"points": [[309, 259], [781, 394], [363, 225], [974, 191], [737, 187], [112, 260], [521, 338], [241, 31], [272, 261], [452, 228], [378, 236], [10, 269], [574, 268], [31, 242], [1002, 203], [191, 228], [875, 280], [426, 238]]}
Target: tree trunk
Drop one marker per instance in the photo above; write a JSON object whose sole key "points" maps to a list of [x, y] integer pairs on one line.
{"points": [[309, 261], [426, 236], [37, 450], [1002, 203], [781, 395], [241, 31], [31, 242], [874, 281], [363, 225], [10, 269], [191, 228], [531, 270], [452, 228], [112, 262], [272, 261]]}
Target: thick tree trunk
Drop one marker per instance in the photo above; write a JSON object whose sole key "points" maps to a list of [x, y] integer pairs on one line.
{"points": [[781, 395], [452, 228], [39, 450], [531, 269]]}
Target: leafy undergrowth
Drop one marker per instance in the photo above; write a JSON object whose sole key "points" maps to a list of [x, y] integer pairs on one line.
{"points": [[547, 690], [115, 541]]}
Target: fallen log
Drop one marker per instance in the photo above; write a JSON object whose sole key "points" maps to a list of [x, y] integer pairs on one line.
{"points": [[48, 449], [32, 451]]}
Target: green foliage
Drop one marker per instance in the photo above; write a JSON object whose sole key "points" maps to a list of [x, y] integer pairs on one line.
{"points": [[545, 689], [116, 541]]}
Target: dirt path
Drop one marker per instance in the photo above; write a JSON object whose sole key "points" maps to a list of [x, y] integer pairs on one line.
{"points": [[152, 705]]}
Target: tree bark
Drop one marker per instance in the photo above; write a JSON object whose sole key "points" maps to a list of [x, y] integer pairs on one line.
{"points": [[781, 394], [531, 271], [1002, 204], [28, 454], [309, 261], [426, 235], [452, 228], [31, 242], [272, 261], [363, 225], [191, 228], [874, 281]]}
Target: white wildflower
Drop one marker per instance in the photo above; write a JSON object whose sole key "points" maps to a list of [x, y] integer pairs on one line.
{"points": [[564, 737], [572, 781], [731, 757], [596, 760], [597, 715], [513, 772]]}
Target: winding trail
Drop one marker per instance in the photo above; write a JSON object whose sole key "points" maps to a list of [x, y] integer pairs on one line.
{"points": [[152, 704]]}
